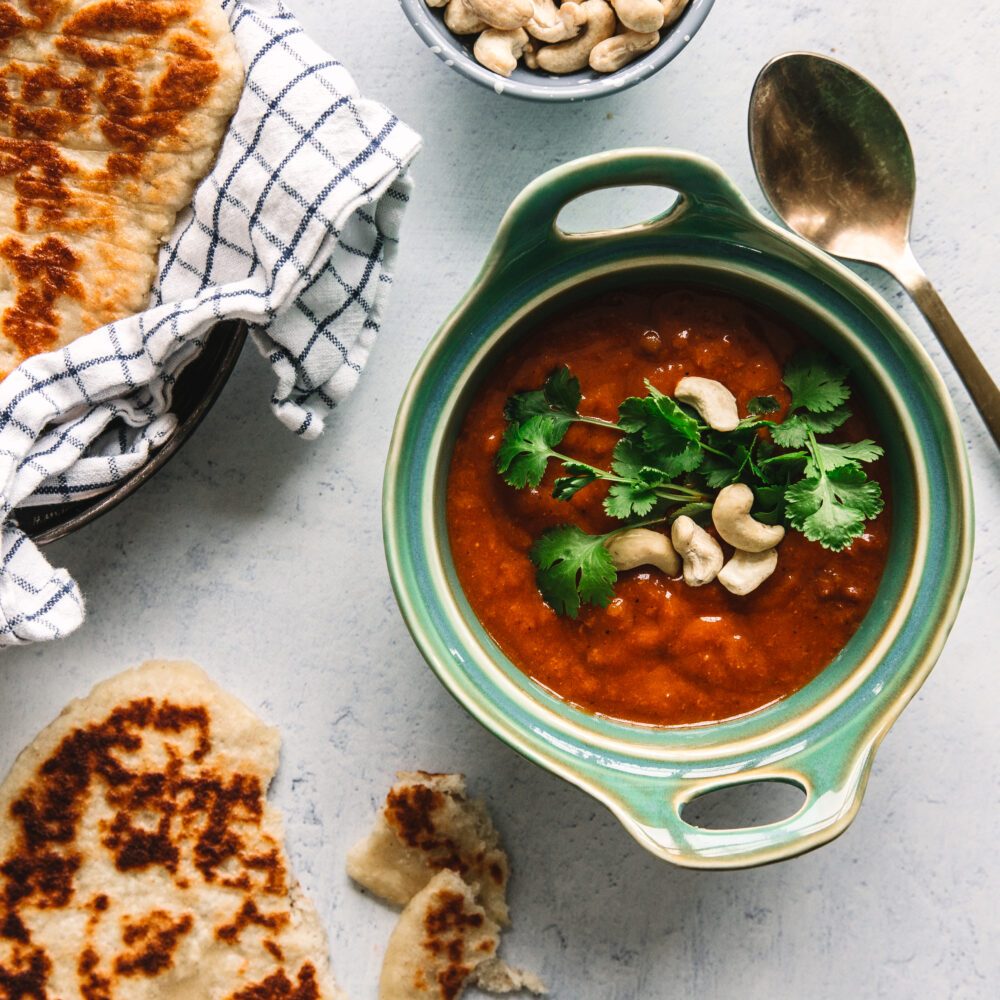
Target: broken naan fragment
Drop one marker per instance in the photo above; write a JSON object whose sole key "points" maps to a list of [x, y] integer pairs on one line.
{"points": [[442, 937], [428, 825]]}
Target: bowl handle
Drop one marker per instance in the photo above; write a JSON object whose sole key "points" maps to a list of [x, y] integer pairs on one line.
{"points": [[530, 228], [833, 775]]}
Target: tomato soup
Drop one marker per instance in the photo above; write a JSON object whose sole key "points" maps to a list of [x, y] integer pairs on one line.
{"points": [[661, 653]]}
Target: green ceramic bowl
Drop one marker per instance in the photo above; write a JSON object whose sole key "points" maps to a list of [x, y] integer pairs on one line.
{"points": [[823, 738]]}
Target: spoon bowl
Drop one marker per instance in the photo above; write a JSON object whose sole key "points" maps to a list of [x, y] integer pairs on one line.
{"points": [[834, 160], [833, 157]]}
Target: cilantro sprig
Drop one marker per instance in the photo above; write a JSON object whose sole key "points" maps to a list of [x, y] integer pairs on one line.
{"points": [[668, 463]]}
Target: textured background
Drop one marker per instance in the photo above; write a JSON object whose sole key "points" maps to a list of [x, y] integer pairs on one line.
{"points": [[260, 556]]}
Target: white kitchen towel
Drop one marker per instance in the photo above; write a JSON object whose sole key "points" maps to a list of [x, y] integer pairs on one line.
{"points": [[294, 231]]}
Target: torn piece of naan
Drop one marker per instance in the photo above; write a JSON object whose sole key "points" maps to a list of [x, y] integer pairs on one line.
{"points": [[139, 856], [429, 823], [111, 112], [436, 852], [442, 937]]}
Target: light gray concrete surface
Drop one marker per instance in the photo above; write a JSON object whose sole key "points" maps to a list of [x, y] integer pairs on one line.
{"points": [[260, 556]]}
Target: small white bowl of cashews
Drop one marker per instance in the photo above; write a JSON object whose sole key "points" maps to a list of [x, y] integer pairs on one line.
{"points": [[556, 50]]}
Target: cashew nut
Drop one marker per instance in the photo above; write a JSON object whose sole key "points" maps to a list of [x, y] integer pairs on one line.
{"points": [[701, 553], [614, 53], [568, 57], [640, 15], [551, 24], [642, 547], [672, 10], [500, 50], [461, 21], [746, 571], [503, 14], [438, 3], [715, 403], [731, 516]]}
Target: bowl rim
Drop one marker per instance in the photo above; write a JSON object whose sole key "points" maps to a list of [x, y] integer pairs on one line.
{"points": [[541, 741], [449, 49]]}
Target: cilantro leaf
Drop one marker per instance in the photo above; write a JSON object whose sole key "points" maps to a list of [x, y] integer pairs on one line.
{"points": [[769, 505], [526, 448], [793, 432], [719, 471], [664, 427], [573, 568], [633, 460], [816, 381], [562, 390], [760, 406], [579, 476], [824, 423], [833, 456], [560, 396], [521, 407], [776, 469], [625, 500], [628, 458], [831, 508]]}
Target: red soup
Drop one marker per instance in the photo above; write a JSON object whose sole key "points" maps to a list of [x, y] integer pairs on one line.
{"points": [[660, 653]]}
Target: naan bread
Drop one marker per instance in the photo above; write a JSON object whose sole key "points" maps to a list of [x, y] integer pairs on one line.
{"points": [[111, 112], [442, 936], [139, 857], [436, 852], [428, 824]]}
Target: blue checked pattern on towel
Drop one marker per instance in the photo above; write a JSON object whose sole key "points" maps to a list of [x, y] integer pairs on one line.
{"points": [[294, 230]]}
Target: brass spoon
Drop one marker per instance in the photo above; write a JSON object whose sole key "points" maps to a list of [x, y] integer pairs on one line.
{"points": [[835, 162]]}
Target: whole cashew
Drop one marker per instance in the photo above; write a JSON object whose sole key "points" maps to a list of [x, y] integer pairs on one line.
{"points": [[504, 14], [614, 53], [461, 21], [551, 24], [672, 10], [500, 50], [568, 57], [746, 571], [731, 516], [701, 553], [642, 547], [715, 403], [640, 15]]}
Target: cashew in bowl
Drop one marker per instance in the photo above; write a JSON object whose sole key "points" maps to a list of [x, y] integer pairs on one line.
{"points": [[566, 35], [701, 553], [614, 53], [461, 21], [672, 10], [640, 15], [713, 401], [568, 57], [503, 14], [642, 547], [746, 571], [500, 50], [551, 24], [732, 520]]}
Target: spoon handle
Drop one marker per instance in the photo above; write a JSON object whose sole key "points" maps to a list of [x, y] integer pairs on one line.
{"points": [[973, 373]]}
